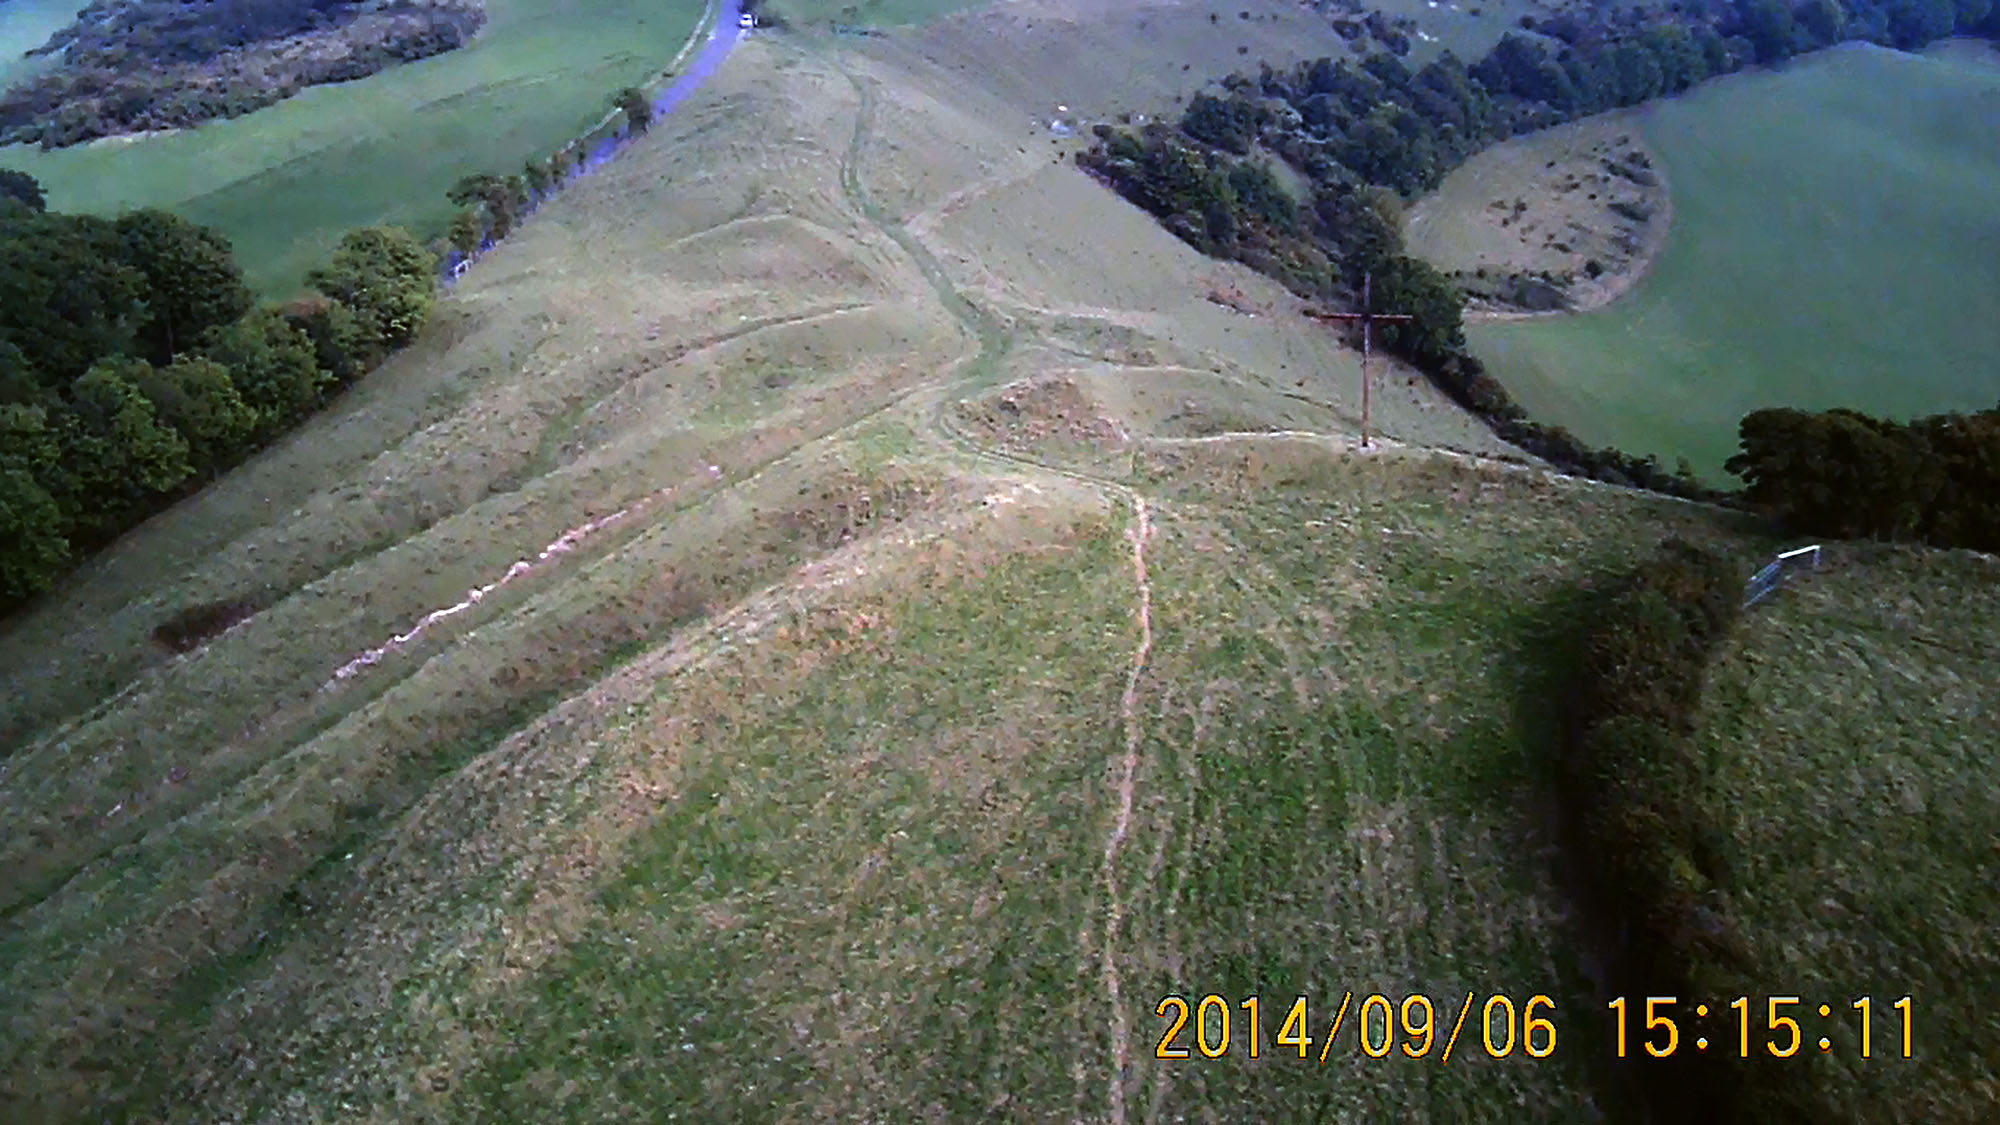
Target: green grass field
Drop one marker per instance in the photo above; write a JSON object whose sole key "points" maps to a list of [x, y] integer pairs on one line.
{"points": [[1831, 246], [285, 182], [1863, 826]]}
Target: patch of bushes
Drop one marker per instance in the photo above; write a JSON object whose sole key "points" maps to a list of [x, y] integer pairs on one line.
{"points": [[1223, 206]]}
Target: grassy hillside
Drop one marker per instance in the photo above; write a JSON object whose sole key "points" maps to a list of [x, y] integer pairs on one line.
{"points": [[926, 658], [285, 182], [1850, 730], [1829, 247]]}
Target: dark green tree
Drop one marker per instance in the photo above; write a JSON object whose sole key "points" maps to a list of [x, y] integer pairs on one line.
{"points": [[637, 107], [18, 384], [466, 231], [1407, 285], [386, 277], [199, 399], [1232, 124], [537, 173], [342, 351], [1678, 55], [1715, 50], [273, 366], [34, 543], [1637, 72], [1515, 67], [192, 280], [34, 550], [1770, 28], [23, 187], [66, 297], [501, 196], [118, 458], [1914, 23], [1359, 224], [1259, 193], [1822, 23]]}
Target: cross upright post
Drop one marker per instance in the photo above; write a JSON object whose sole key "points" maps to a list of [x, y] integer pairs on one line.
{"points": [[1367, 316]]}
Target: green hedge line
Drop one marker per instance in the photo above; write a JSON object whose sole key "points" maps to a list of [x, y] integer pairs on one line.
{"points": [[1647, 839]]}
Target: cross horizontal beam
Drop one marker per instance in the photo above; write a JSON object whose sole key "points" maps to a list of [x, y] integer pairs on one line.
{"points": [[1316, 315]]}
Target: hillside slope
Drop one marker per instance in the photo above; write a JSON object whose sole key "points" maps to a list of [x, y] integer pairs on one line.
{"points": [[917, 656]]}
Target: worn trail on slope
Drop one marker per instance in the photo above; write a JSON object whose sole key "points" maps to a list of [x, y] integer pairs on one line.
{"points": [[995, 340], [1128, 710]]}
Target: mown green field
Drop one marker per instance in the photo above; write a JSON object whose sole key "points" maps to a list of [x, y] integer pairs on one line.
{"points": [[285, 182], [1831, 246]]}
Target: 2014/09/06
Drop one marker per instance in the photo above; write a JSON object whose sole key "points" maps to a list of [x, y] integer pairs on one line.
{"points": [[1218, 1028]]}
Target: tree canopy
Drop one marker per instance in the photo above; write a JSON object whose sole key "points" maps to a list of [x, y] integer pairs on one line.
{"points": [[386, 277], [192, 281], [22, 188], [134, 364]]}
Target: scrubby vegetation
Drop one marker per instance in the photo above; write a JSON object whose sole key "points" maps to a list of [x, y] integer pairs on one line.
{"points": [[491, 204], [134, 366], [133, 65], [1368, 132], [1652, 852], [1651, 858], [1843, 474]]}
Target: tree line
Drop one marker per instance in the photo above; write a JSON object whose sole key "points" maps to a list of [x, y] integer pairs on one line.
{"points": [[1367, 132], [1845, 475], [492, 204], [135, 365]]}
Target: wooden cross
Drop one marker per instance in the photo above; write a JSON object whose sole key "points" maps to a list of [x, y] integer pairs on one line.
{"points": [[1367, 320]]}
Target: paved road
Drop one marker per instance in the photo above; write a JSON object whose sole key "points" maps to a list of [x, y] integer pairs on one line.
{"points": [[721, 40]]}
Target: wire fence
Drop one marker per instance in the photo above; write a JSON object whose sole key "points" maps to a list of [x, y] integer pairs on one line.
{"points": [[1775, 574]]}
